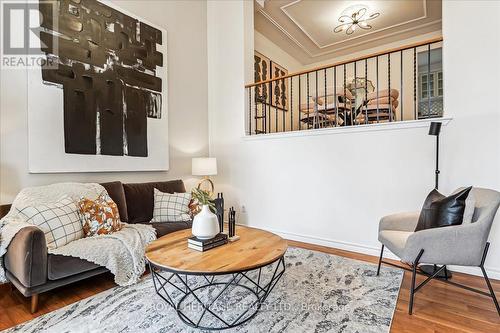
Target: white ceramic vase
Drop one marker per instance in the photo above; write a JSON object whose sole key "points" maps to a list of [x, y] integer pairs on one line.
{"points": [[205, 224]]}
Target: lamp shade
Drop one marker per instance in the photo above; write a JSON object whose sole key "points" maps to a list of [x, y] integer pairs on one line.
{"points": [[435, 128], [204, 166]]}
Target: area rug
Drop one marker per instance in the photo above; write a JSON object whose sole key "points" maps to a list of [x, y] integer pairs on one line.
{"points": [[318, 293]]}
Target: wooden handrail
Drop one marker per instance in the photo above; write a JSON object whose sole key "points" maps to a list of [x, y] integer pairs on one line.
{"points": [[401, 48]]}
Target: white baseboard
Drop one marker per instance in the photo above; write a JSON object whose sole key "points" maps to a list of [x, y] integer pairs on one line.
{"points": [[493, 273]]}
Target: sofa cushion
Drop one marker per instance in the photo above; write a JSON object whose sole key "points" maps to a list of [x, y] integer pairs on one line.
{"points": [[59, 266], [394, 240], [171, 207], [99, 216], [140, 199], [163, 228], [60, 221], [441, 211], [115, 191]]}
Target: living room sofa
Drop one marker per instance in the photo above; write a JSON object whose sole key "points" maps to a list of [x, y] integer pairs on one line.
{"points": [[33, 271]]}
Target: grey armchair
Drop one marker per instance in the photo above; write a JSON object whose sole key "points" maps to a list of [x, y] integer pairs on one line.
{"points": [[463, 245]]}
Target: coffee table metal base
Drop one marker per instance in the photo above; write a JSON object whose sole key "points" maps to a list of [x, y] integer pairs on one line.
{"points": [[176, 288]]}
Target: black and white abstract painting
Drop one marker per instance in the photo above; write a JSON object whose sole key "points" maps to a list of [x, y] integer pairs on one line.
{"points": [[103, 107]]}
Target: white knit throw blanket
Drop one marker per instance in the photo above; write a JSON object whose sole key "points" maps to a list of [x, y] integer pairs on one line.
{"points": [[122, 252]]}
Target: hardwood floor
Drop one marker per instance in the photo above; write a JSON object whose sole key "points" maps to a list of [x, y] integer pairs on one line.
{"points": [[438, 307]]}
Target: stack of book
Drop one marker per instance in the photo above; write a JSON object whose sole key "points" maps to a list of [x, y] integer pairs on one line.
{"points": [[207, 244]]}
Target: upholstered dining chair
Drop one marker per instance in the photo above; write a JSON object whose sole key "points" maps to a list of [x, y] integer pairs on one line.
{"points": [[462, 245]]}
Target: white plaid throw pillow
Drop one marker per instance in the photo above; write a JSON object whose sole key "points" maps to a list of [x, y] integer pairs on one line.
{"points": [[59, 221], [171, 207]]}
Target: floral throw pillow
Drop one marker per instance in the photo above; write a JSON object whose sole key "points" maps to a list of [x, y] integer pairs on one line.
{"points": [[100, 216]]}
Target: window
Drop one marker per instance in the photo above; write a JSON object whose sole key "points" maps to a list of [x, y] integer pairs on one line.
{"points": [[434, 86]]}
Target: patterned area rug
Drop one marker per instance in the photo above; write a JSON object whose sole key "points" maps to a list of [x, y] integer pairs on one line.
{"points": [[318, 293]]}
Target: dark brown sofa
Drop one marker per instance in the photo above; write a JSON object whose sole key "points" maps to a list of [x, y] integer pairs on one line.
{"points": [[32, 270]]}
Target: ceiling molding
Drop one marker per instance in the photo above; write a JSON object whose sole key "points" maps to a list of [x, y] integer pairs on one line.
{"points": [[284, 31], [319, 54], [283, 9], [296, 35], [378, 38]]}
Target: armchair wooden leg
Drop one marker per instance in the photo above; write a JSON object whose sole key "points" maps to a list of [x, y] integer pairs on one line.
{"points": [[380, 260], [413, 277], [34, 303]]}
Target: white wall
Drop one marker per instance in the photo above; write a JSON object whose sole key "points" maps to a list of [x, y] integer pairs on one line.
{"points": [[185, 22], [332, 189], [266, 47]]}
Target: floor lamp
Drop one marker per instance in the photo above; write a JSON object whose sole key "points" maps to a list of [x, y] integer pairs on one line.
{"points": [[435, 130]]}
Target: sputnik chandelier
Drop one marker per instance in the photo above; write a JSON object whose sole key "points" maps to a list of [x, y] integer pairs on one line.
{"points": [[354, 17]]}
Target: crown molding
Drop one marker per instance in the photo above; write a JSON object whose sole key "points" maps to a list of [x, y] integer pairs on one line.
{"points": [[326, 52], [283, 9]]}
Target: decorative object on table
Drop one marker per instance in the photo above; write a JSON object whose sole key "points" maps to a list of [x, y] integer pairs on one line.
{"points": [[100, 104], [232, 225], [360, 87], [206, 244], [205, 223], [171, 207], [219, 208], [462, 245], [205, 167]]}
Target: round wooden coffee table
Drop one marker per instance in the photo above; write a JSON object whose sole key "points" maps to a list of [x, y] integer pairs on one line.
{"points": [[222, 287]]}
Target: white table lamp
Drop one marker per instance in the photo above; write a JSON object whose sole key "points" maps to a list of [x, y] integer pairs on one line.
{"points": [[205, 167]]}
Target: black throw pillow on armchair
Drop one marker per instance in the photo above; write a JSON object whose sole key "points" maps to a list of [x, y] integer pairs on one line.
{"points": [[442, 211]]}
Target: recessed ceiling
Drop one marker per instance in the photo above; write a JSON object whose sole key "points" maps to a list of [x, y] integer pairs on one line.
{"points": [[304, 28]]}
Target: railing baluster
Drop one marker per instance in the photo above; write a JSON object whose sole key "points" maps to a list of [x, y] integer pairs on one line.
{"points": [[325, 100], [291, 103], [355, 122], [300, 106], [276, 119], [389, 83], [345, 99], [378, 116], [316, 111], [256, 108], [308, 105], [270, 105], [335, 96], [284, 106], [264, 119], [366, 92], [264, 113], [250, 111], [415, 83], [402, 99], [429, 81]]}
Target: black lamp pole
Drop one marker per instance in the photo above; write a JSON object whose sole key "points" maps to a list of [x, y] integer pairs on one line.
{"points": [[435, 129]]}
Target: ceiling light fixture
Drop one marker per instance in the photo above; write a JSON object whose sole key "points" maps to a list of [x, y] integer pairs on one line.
{"points": [[353, 17]]}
